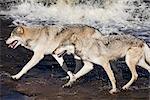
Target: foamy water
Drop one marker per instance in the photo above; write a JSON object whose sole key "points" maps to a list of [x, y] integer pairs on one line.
{"points": [[109, 16]]}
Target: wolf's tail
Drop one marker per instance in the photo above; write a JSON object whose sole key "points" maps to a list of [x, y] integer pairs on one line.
{"points": [[147, 53]]}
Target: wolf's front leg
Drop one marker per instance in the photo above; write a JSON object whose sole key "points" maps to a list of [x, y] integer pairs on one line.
{"points": [[34, 60], [61, 62], [88, 66]]}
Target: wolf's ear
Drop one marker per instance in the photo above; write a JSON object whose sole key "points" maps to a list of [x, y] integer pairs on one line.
{"points": [[20, 30]]}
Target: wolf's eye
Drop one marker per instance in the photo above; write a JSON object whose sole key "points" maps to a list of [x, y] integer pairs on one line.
{"points": [[14, 33]]}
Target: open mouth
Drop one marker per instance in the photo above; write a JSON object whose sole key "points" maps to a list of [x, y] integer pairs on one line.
{"points": [[13, 44]]}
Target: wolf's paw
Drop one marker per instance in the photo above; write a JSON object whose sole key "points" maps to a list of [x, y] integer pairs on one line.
{"points": [[69, 84], [113, 91], [71, 76], [125, 87], [71, 81], [16, 77]]}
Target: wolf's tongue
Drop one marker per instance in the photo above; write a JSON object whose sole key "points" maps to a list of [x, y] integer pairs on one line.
{"points": [[14, 44]]}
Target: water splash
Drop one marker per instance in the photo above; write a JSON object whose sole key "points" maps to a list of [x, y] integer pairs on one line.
{"points": [[106, 15]]}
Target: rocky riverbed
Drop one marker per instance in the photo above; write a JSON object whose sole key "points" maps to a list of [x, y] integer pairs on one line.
{"points": [[43, 81]]}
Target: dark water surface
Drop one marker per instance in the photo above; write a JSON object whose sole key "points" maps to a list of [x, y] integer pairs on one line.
{"points": [[40, 84]]}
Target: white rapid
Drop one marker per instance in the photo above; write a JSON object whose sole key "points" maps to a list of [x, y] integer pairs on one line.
{"points": [[118, 16]]}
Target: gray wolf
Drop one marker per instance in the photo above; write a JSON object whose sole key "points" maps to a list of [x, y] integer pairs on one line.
{"points": [[103, 49], [42, 41]]}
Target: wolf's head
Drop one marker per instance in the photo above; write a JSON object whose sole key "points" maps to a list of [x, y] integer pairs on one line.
{"points": [[16, 37]]}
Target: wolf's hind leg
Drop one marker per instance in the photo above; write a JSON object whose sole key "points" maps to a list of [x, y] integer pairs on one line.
{"points": [[143, 64], [132, 58], [88, 66], [105, 64]]}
